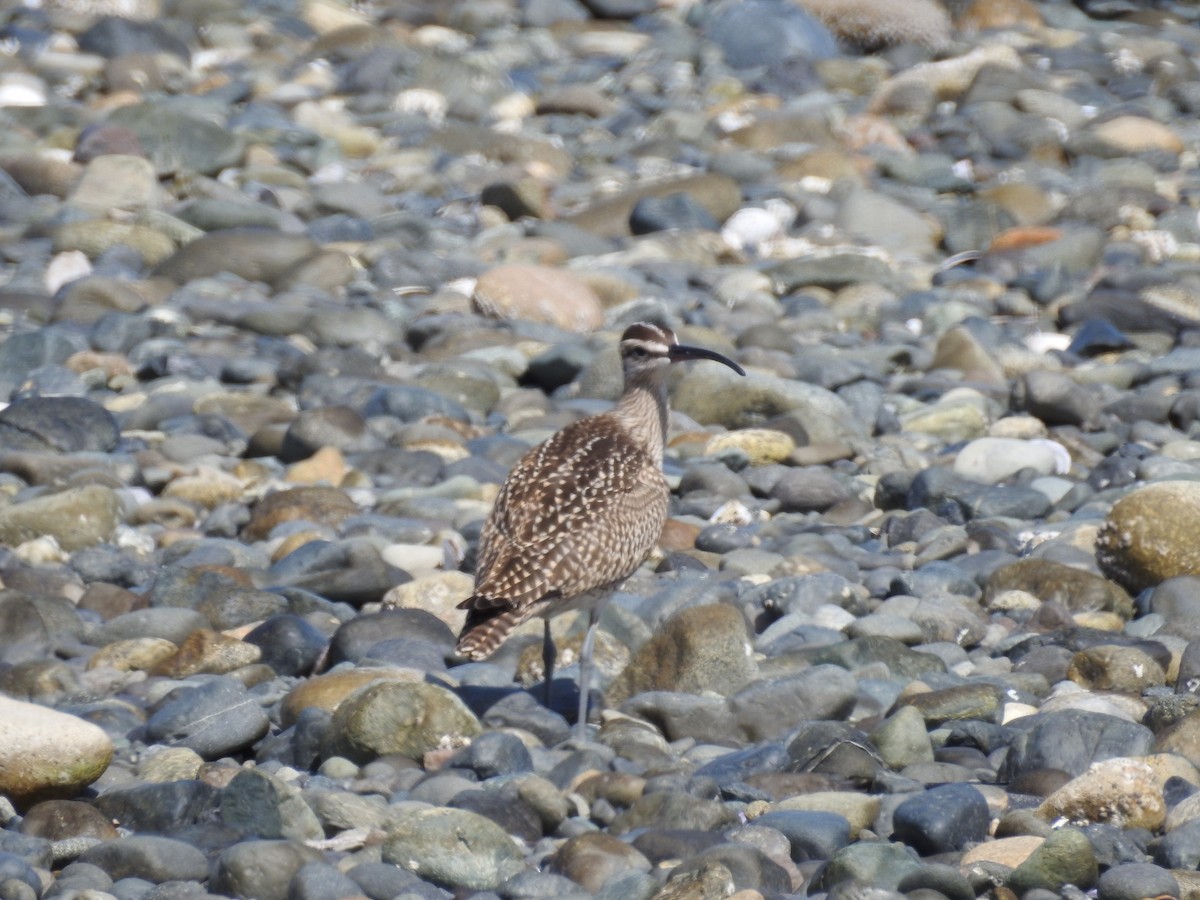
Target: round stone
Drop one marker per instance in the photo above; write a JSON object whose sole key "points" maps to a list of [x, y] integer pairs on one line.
{"points": [[1122, 792], [409, 719], [45, 753], [1147, 535]]}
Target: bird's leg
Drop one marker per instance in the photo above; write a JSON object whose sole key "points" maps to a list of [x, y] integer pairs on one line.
{"points": [[549, 654], [585, 672]]}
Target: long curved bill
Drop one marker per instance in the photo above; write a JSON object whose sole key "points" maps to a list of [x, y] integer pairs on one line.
{"points": [[680, 352]]}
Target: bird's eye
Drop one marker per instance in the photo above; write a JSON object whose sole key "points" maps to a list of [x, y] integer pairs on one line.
{"points": [[638, 353]]}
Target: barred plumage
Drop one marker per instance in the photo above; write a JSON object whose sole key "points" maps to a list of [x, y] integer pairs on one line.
{"points": [[579, 513]]}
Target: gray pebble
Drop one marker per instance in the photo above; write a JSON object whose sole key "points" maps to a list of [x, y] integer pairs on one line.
{"points": [[213, 718], [154, 859]]}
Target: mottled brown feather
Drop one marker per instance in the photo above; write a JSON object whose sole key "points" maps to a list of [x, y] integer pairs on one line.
{"points": [[579, 512]]}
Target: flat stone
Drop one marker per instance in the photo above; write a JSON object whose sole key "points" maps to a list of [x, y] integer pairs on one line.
{"points": [[538, 294], [149, 857], [214, 719], [253, 254], [57, 424], [1128, 135]]}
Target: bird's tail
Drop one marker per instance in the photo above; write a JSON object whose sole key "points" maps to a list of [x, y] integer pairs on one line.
{"points": [[486, 629]]}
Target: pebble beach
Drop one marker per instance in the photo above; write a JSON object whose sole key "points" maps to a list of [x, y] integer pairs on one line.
{"points": [[288, 286]]}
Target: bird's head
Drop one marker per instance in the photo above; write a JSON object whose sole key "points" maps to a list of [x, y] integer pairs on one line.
{"points": [[647, 348]]}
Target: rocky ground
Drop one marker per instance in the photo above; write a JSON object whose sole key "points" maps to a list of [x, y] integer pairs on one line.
{"points": [[287, 287]]}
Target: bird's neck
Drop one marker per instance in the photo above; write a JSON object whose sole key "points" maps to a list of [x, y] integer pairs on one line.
{"points": [[643, 410]]}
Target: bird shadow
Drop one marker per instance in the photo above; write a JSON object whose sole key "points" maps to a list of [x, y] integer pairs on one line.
{"points": [[481, 699]]}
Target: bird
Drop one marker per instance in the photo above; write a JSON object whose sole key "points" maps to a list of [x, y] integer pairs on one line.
{"points": [[580, 512]]}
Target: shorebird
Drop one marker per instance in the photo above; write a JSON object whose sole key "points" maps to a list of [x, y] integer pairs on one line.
{"points": [[580, 512]]}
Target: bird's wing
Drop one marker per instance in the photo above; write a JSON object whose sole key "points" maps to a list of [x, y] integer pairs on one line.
{"points": [[578, 512]]}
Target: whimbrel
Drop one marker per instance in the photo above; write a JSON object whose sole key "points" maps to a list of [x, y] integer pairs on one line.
{"points": [[579, 513]]}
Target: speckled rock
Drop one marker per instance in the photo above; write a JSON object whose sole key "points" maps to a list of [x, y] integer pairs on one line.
{"points": [[1111, 668], [698, 649], [453, 848], [208, 651], [761, 445], [134, 654], [1121, 792], [409, 719], [1076, 589]]}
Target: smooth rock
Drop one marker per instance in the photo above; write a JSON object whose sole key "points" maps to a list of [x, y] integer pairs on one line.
{"points": [[260, 869], [75, 518], [326, 692], [1072, 740], [1142, 541], [538, 294], [697, 649], [1119, 791], [409, 719], [1065, 857], [214, 719], [1133, 880], [45, 753], [58, 425], [62, 819], [151, 858], [942, 819], [453, 848], [267, 807], [990, 460], [591, 860]]}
